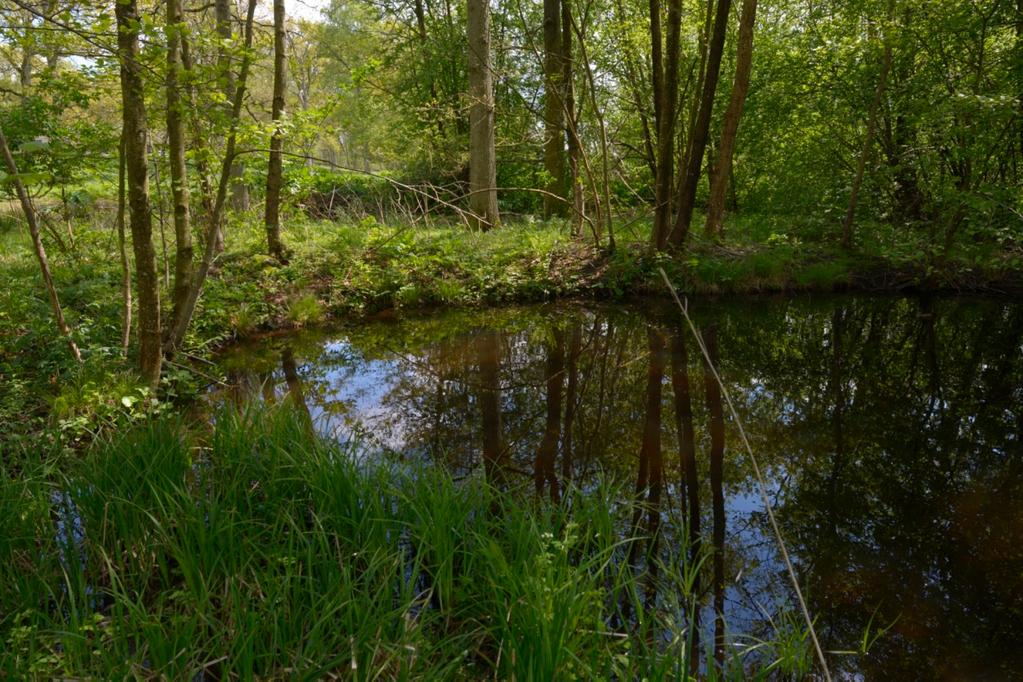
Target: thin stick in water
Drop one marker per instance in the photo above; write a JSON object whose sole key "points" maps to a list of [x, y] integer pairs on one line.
{"points": [[760, 478]]}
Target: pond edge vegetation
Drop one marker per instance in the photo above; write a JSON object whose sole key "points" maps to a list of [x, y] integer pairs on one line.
{"points": [[169, 550]]}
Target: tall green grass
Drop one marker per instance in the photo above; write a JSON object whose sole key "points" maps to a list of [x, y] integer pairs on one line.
{"points": [[252, 548]]}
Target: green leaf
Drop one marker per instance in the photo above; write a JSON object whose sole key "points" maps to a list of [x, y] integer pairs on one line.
{"points": [[27, 178]]}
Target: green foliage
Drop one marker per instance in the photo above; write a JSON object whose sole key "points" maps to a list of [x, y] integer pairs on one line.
{"points": [[52, 149], [305, 310]]}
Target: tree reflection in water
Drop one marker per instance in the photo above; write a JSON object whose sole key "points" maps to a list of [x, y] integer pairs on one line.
{"points": [[890, 430]]}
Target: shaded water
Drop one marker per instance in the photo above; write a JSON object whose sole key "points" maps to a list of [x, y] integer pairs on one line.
{"points": [[889, 430]]}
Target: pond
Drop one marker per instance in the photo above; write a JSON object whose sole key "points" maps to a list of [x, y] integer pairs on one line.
{"points": [[888, 431]]}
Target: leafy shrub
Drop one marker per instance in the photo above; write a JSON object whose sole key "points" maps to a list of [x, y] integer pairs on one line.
{"points": [[331, 194]]}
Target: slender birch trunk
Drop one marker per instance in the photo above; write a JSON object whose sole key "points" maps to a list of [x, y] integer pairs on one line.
{"points": [[122, 248], [37, 244]]}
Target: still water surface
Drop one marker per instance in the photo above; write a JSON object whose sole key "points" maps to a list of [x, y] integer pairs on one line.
{"points": [[889, 430]]}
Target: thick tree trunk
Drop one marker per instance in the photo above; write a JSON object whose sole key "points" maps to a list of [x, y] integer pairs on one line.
{"points": [[37, 244], [216, 217], [697, 143], [147, 281], [719, 178], [184, 253], [571, 129], [272, 216], [868, 141], [482, 156], [554, 109], [665, 86], [122, 248]]}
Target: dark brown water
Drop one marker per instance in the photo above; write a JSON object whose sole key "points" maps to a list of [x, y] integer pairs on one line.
{"points": [[889, 431]]}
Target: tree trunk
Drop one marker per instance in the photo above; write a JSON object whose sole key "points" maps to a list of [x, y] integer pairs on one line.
{"points": [[482, 156], [53, 47], [554, 110], [27, 53], [239, 190], [184, 252], [571, 128], [37, 244], [868, 139], [697, 143], [122, 248], [216, 217], [1019, 69], [719, 178], [165, 263], [272, 217], [664, 75], [135, 133]]}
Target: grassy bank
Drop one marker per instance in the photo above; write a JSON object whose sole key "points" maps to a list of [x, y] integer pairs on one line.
{"points": [[340, 271], [255, 549]]}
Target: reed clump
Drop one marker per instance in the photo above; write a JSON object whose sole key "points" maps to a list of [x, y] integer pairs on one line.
{"points": [[250, 547]]}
